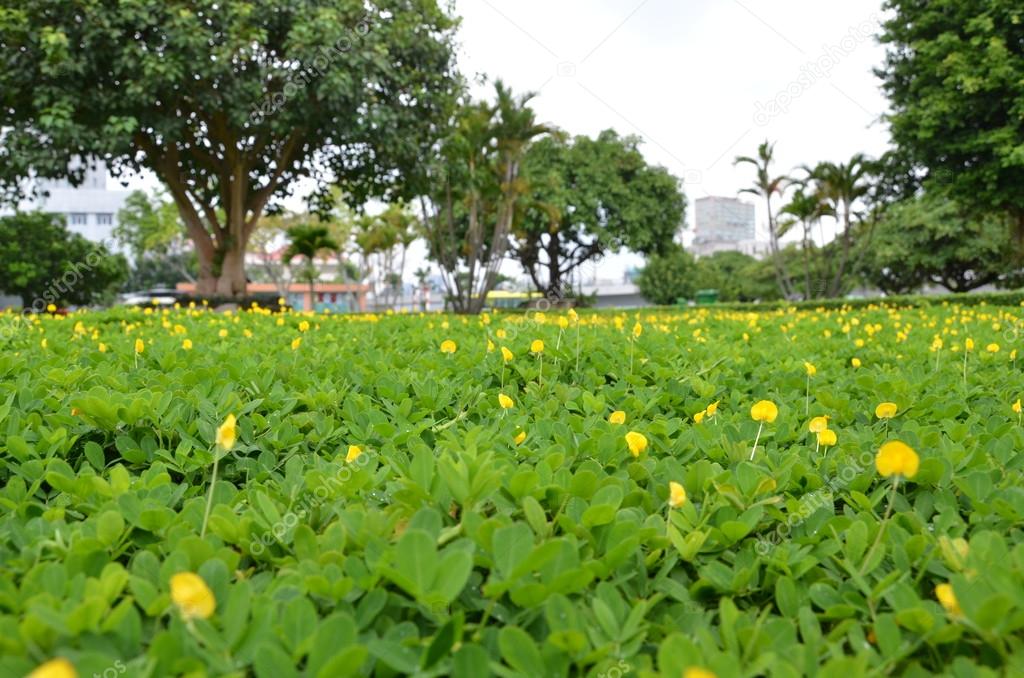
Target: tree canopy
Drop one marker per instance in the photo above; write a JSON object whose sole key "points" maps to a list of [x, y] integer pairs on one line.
{"points": [[589, 197], [953, 77], [228, 102]]}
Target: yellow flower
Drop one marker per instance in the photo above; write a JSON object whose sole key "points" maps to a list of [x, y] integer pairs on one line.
{"points": [[520, 437], [937, 344], [855, 362], [448, 346], [140, 346], [944, 592], [886, 410], [969, 344], [676, 494], [222, 334], [617, 417], [697, 672], [573, 315], [811, 369], [247, 333], [827, 438], [296, 342], [102, 347], [55, 668], [490, 346], [353, 453], [500, 334], [44, 342], [699, 417], [51, 308], [227, 432], [505, 402], [1016, 406], [712, 408], [764, 411], [992, 348], [896, 458], [563, 322], [304, 326], [537, 346], [636, 442], [818, 424], [187, 344], [637, 330], [192, 596], [506, 354]]}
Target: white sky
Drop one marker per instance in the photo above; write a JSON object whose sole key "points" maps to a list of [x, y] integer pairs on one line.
{"points": [[701, 81]]}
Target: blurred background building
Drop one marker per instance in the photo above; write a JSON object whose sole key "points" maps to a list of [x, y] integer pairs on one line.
{"points": [[725, 225]]}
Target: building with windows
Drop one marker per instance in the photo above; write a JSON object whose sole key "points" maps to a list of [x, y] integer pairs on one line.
{"points": [[725, 225], [90, 208]]}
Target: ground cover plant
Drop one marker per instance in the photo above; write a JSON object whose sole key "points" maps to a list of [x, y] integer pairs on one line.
{"points": [[667, 492]]}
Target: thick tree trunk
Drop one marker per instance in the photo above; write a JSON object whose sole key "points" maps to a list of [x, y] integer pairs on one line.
{"points": [[231, 281]]}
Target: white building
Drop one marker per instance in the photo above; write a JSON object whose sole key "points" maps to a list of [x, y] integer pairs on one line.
{"points": [[89, 209], [725, 225]]}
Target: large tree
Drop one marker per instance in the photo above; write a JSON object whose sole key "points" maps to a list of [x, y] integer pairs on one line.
{"points": [[588, 197], [228, 102], [931, 239], [953, 77]]}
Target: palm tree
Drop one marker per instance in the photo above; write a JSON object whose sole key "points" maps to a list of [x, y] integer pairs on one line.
{"points": [[307, 241], [843, 185], [807, 206], [765, 186]]}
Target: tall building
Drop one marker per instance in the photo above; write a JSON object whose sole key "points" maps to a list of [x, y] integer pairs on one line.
{"points": [[90, 208], [724, 225]]}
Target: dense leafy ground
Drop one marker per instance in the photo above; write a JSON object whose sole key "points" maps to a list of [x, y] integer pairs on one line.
{"points": [[458, 537]]}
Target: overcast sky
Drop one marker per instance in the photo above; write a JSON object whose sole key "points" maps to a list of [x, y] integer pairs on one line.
{"points": [[701, 81]]}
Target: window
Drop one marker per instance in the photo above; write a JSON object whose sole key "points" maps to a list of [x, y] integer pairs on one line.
{"points": [[105, 219], [79, 219]]}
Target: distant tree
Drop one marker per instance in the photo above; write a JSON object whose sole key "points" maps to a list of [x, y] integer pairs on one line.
{"points": [[668, 277], [307, 242], [588, 197], [737, 276], [844, 187], [931, 239], [952, 73], [385, 238], [806, 207], [766, 186], [230, 103], [150, 229], [476, 193], [44, 263]]}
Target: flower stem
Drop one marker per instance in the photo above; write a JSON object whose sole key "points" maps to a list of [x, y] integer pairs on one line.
{"points": [[885, 522], [209, 497], [760, 427]]}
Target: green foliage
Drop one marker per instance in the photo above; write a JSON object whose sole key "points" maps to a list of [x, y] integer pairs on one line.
{"points": [[228, 102], [930, 239], [44, 263], [150, 228], [667, 277], [952, 75], [446, 548], [737, 276], [589, 197]]}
